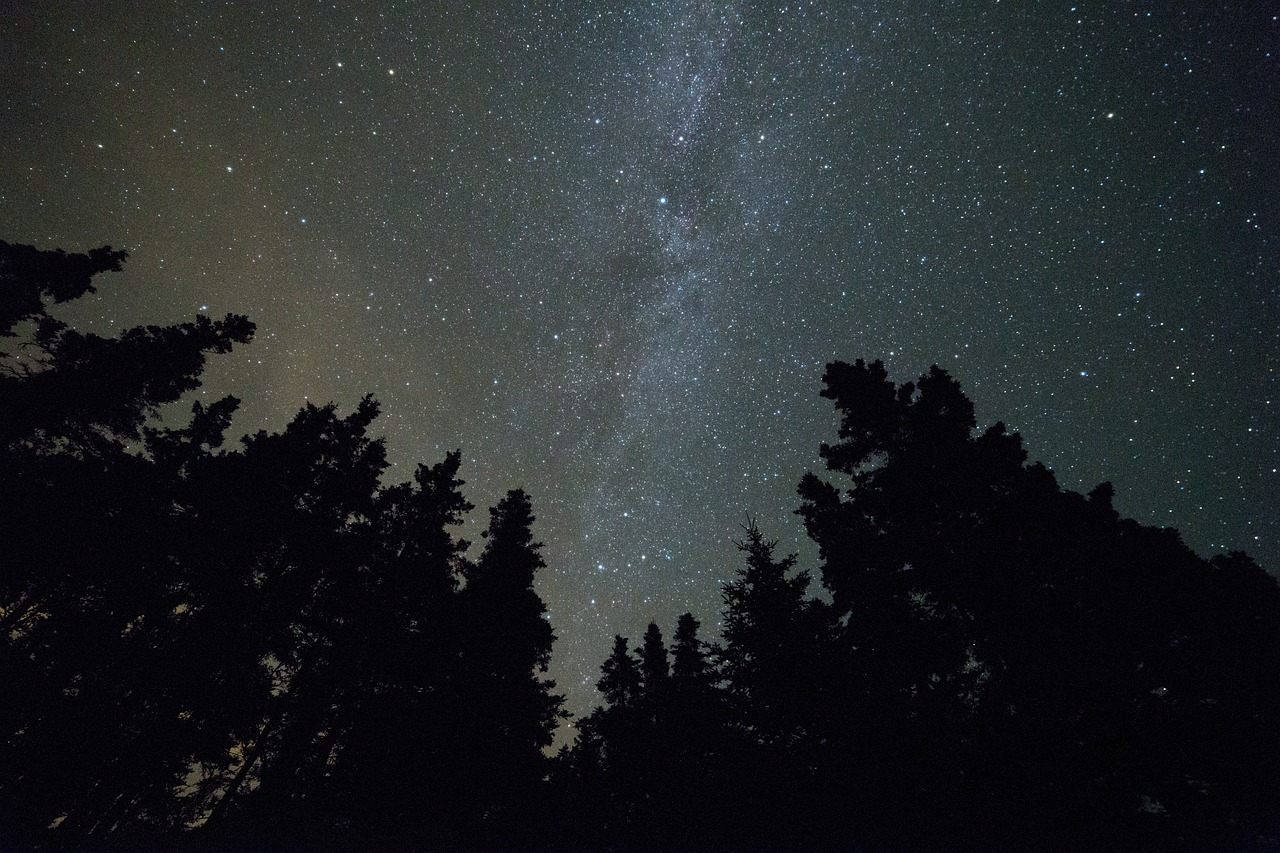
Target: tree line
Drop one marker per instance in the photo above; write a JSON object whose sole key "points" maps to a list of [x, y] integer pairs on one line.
{"points": [[267, 647]]}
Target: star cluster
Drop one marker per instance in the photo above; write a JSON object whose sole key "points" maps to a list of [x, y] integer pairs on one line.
{"points": [[606, 249]]}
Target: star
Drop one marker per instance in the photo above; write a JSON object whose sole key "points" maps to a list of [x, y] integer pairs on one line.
{"points": [[932, 204]]}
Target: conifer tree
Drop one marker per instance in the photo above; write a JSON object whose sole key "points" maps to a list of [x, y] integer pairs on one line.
{"points": [[688, 657], [511, 710], [655, 668], [767, 639], [620, 678], [1002, 641], [97, 726], [313, 490]]}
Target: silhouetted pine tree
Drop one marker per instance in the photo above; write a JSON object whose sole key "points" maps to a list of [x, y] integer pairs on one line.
{"points": [[620, 678], [511, 710], [595, 780], [768, 640], [689, 665], [268, 642], [704, 752], [1024, 663], [655, 672], [314, 486], [96, 726], [67, 392], [772, 665], [397, 774], [262, 641]]}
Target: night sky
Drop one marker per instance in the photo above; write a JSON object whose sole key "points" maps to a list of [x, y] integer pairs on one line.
{"points": [[607, 248]]}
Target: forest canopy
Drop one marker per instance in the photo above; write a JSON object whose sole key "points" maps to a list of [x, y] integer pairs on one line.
{"points": [[267, 646]]}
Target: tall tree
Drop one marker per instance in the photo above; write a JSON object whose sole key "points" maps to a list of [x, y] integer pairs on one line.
{"points": [[512, 709], [29, 276], [620, 679], [1010, 642], [615, 771], [689, 663], [263, 641], [655, 667], [769, 640], [62, 390], [703, 752], [94, 734], [356, 753]]}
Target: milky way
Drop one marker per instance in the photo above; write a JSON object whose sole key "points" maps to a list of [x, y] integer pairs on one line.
{"points": [[607, 253]]}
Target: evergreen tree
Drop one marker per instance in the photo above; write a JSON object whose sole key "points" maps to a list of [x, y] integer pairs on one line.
{"points": [[270, 644], [97, 728], [688, 656], [29, 276], [512, 710], [69, 392], [620, 678], [1008, 646], [263, 642], [701, 793], [769, 640], [312, 490], [655, 668], [592, 778], [398, 772]]}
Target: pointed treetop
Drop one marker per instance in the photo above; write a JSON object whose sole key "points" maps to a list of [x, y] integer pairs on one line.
{"points": [[620, 676], [654, 667]]}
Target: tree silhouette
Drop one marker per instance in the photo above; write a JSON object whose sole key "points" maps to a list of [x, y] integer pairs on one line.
{"points": [[1015, 647], [769, 640], [655, 673], [510, 711], [29, 276], [1002, 664], [603, 776], [394, 776], [92, 737], [64, 391], [267, 647], [617, 778], [314, 486], [689, 665], [620, 678], [266, 642]]}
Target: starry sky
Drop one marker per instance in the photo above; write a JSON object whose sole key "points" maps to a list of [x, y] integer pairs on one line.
{"points": [[607, 248]]}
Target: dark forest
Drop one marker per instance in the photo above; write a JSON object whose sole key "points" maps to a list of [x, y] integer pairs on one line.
{"points": [[267, 646]]}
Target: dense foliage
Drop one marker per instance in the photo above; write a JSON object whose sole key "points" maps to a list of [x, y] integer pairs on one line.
{"points": [[264, 643], [996, 664], [267, 647]]}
